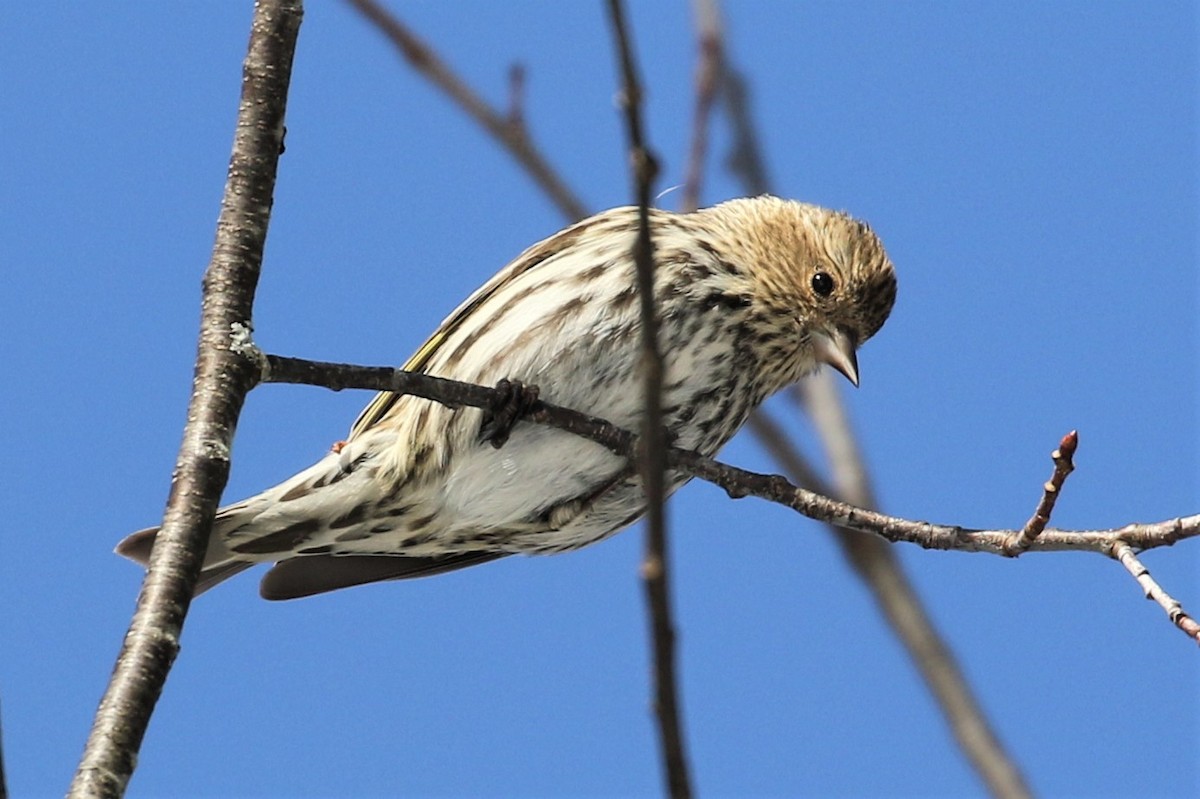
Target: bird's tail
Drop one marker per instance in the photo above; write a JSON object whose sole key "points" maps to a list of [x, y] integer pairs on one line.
{"points": [[219, 563], [269, 525]]}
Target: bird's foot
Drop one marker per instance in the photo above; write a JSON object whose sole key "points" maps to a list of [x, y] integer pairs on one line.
{"points": [[514, 401]]}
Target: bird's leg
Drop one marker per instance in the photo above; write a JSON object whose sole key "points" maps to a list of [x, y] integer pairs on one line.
{"points": [[514, 401]]}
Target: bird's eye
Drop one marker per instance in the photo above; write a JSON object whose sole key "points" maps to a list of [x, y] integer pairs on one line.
{"points": [[822, 283]]}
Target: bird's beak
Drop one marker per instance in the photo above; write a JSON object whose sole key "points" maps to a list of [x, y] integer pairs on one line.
{"points": [[837, 349]]}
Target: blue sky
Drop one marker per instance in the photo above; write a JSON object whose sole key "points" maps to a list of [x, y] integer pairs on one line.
{"points": [[1033, 175]]}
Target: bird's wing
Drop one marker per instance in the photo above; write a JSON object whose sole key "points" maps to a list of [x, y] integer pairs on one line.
{"points": [[534, 256], [384, 400]]}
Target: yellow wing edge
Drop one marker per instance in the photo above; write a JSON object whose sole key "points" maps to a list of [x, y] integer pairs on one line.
{"points": [[534, 256]]}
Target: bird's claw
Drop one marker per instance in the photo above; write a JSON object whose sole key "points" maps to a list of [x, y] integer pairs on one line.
{"points": [[514, 400]]}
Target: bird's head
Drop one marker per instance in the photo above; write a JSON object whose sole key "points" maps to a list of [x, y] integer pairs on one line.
{"points": [[821, 279]]}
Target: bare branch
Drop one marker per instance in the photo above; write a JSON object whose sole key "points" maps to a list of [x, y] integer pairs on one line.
{"points": [[1124, 553], [226, 369], [506, 129], [884, 577], [736, 482], [1063, 466], [653, 462]]}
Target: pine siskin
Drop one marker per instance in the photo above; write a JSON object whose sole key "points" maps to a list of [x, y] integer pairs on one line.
{"points": [[753, 294]]}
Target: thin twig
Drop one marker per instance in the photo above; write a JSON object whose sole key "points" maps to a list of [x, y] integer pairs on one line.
{"points": [[223, 375], [1153, 591], [506, 130], [653, 462], [708, 75], [736, 482], [1063, 465]]}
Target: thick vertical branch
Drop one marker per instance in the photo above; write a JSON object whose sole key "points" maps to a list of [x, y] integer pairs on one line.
{"points": [[653, 455], [227, 367]]}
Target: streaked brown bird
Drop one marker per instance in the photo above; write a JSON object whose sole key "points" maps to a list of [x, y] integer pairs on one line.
{"points": [[752, 295]]}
